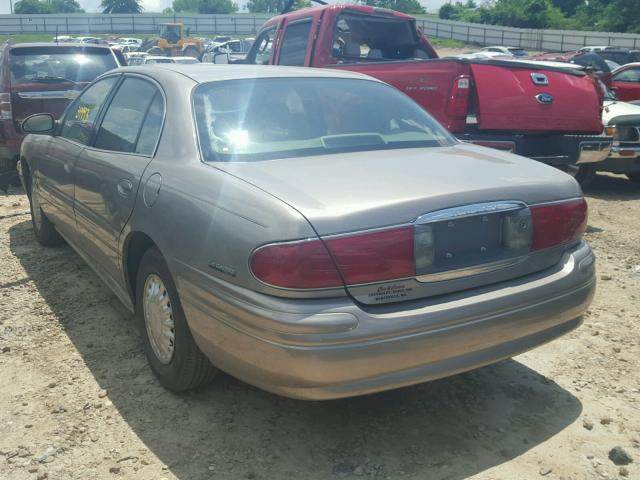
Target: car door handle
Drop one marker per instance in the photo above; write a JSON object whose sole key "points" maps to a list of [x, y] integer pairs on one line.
{"points": [[125, 187]]}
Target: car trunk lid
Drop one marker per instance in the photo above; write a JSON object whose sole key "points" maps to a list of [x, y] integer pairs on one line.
{"points": [[357, 196]]}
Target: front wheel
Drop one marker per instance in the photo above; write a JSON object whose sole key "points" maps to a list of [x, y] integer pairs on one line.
{"points": [[191, 52], [584, 174], [172, 352], [44, 230]]}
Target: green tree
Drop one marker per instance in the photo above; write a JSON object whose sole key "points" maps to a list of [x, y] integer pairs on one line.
{"points": [[32, 6], [275, 6], [568, 7], [121, 6], [65, 6], [190, 6], [406, 6], [217, 6]]}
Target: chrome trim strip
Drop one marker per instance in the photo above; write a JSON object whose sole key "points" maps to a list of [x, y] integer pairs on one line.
{"points": [[50, 94], [469, 271], [474, 209]]}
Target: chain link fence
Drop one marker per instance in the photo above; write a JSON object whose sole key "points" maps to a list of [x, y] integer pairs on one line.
{"points": [[248, 24]]}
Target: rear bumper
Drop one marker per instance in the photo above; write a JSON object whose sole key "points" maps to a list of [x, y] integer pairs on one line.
{"points": [[333, 348], [554, 150]]}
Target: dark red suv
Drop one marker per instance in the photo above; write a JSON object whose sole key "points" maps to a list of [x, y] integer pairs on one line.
{"points": [[42, 77]]}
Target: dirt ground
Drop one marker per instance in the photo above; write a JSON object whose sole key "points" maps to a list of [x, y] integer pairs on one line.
{"points": [[78, 401]]}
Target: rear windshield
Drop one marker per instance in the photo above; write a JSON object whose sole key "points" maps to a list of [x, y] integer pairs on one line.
{"points": [[59, 64], [256, 119], [359, 37]]}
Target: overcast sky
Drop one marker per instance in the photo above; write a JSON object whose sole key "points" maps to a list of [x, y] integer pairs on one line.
{"points": [[159, 5]]}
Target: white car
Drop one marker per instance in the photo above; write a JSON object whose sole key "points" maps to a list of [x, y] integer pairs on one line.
{"points": [[509, 51], [599, 48], [93, 40], [622, 121], [157, 59], [185, 60]]}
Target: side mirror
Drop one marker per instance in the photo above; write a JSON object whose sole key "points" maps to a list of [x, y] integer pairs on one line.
{"points": [[40, 123], [221, 58]]}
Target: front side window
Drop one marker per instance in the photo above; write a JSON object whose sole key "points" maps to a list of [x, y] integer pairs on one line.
{"points": [[266, 118], [359, 37], [260, 53], [83, 113], [631, 75], [59, 64], [294, 43], [123, 120]]}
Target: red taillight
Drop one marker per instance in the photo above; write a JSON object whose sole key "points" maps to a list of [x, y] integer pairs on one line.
{"points": [[374, 257], [558, 223], [305, 264], [458, 105], [360, 258], [5, 106]]}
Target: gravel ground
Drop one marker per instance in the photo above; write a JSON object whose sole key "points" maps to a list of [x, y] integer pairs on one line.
{"points": [[78, 401]]}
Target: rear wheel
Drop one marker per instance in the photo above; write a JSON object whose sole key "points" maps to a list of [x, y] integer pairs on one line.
{"points": [[44, 230], [171, 350]]}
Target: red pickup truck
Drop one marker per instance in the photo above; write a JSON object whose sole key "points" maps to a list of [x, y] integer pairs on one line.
{"points": [[552, 114]]}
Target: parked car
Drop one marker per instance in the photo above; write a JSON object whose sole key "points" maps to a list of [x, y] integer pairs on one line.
{"points": [[313, 232], [622, 119], [149, 59], [547, 113], [508, 51], [37, 77], [91, 40], [625, 82], [619, 55], [591, 60], [185, 60], [237, 49], [135, 58]]}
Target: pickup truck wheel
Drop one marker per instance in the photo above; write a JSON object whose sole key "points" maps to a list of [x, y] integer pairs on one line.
{"points": [[584, 174], [44, 230], [172, 352]]}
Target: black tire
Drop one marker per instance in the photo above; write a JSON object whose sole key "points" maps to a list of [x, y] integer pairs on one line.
{"points": [[584, 174], [44, 230], [191, 52], [188, 367]]}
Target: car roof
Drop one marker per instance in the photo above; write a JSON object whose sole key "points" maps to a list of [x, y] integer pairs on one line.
{"points": [[57, 44], [209, 72], [627, 65]]}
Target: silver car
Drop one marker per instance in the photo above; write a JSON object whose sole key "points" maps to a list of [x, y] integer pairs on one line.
{"points": [[310, 231]]}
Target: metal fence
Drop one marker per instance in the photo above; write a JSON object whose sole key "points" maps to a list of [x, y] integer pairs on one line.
{"points": [[531, 39], [88, 24], [247, 24]]}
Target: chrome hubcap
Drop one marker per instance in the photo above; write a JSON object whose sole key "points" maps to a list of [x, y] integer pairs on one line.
{"points": [[158, 318]]}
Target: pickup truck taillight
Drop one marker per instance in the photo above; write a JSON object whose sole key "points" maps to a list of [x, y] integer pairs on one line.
{"points": [[558, 223], [5, 106], [458, 105], [400, 252]]}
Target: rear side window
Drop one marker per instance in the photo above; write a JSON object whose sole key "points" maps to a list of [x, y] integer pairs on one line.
{"points": [[359, 37], [151, 127], [83, 113], [59, 64], [631, 75], [125, 116], [294, 44]]}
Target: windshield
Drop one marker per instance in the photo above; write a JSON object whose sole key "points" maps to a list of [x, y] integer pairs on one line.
{"points": [[244, 120], [360, 37], [59, 64]]}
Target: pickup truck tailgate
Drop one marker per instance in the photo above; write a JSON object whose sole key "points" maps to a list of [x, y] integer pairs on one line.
{"points": [[513, 95]]}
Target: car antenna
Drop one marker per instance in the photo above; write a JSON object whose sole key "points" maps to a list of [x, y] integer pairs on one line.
{"points": [[290, 3]]}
